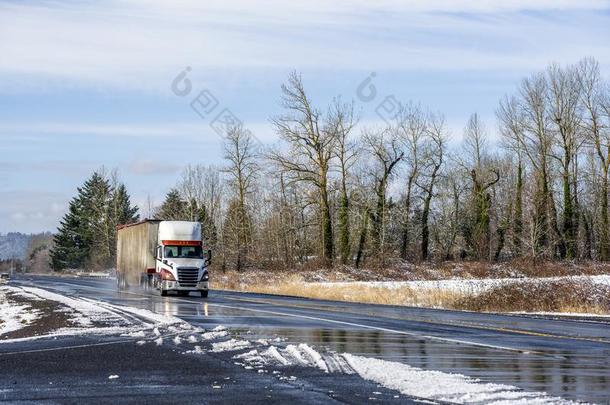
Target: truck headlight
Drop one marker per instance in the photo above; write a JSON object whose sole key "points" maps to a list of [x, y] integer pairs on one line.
{"points": [[167, 275], [205, 276]]}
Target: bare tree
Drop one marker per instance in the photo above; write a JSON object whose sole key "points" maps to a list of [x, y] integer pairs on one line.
{"points": [[311, 138], [595, 125], [385, 151], [342, 115], [563, 100], [240, 153], [434, 153], [412, 127]]}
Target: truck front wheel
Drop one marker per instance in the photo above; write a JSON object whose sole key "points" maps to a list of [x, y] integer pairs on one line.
{"points": [[204, 293], [163, 293]]}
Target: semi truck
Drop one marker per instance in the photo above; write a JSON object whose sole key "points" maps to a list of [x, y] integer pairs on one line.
{"points": [[163, 255]]}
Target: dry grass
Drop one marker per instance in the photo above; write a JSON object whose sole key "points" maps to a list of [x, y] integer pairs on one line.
{"points": [[294, 285], [554, 296], [526, 296]]}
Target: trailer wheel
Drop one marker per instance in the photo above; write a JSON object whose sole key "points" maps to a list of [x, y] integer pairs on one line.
{"points": [[204, 293]]}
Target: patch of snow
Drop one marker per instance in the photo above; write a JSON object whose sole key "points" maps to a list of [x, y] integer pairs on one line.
{"points": [[314, 357], [192, 339], [274, 356], [230, 345], [440, 386], [15, 316], [294, 352], [83, 313], [214, 335], [113, 377], [564, 314], [462, 286], [159, 341], [157, 319], [177, 340], [139, 333]]}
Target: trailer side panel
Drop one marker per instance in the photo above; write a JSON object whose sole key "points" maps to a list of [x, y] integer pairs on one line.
{"points": [[136, 246]]}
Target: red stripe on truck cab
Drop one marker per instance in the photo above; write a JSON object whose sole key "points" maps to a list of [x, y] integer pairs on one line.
{"points": [[181, 242]]}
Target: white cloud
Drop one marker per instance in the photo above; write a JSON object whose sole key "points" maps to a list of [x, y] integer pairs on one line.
{"points": [[31, 211], [96, 129], [147, 167], [144, 44]]}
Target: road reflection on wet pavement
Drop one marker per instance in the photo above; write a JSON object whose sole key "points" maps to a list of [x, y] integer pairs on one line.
{"points": [[565, 358]]}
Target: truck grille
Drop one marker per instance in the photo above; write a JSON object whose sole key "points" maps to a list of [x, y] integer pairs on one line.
{"points": [[188, 276]]}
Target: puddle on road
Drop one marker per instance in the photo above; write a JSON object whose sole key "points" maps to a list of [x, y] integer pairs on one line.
{"points": [[584, 379]]}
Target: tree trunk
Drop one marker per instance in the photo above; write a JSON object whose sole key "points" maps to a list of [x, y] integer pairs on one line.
{"points": [[605, 223], [404, 243], [568, 211], [326, 224], [425, 233], [362, 238], [518, 214], [344, 243]]}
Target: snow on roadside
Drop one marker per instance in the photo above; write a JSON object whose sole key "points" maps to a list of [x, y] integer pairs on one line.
{"points": [[82, 312], [15, 316], [440, 386], [86, 316], [411, 381], [584, 315], [462, 286], [230, 345]]}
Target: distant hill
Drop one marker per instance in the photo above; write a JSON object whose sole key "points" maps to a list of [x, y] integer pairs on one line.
{"points": [[14, 245]]}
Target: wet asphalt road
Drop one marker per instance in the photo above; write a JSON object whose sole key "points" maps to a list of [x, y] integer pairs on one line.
{"points": [[562, 357]]}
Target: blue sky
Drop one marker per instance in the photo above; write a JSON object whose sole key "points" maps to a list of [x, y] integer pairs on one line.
{"points": [[85, 84]]}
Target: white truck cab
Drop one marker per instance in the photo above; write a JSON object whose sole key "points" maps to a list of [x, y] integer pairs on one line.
{"points": [[181, 262]]}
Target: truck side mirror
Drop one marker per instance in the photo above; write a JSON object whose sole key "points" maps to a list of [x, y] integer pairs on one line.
{"points": [[158, 252], [208, 259]]}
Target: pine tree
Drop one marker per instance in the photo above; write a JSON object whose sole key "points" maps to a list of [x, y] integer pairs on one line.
{"points": [[70, 249], [174, 208], [122, 212], [95, 198], [87, 233]]}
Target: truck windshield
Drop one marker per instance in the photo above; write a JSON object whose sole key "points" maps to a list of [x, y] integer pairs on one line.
{"points": [[183, 252]]}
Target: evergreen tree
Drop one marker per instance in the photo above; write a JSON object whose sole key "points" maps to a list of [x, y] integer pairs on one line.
{"points": [[123, 211], [174, 208], [70, 249], [87, 233], [95, 197]]}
